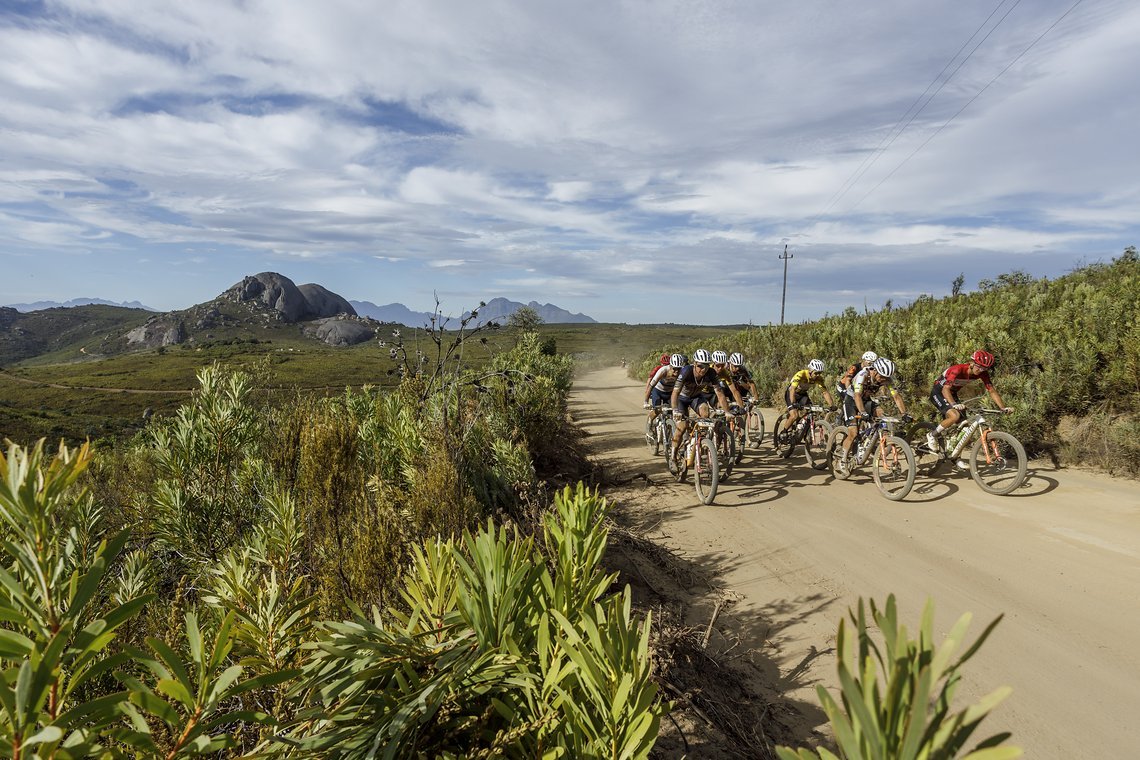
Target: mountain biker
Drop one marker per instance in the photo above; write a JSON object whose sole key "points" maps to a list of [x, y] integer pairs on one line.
{"points": [[796, 394], [740, 375], [859, 402], [843, 381], [944, 394], [659, 389], [720, 364], [696, 386]]}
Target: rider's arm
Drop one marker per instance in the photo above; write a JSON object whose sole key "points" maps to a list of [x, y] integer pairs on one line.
{"points": [[828, 397], [898, 398], [660, 373], [857, 392], [674, 399]]}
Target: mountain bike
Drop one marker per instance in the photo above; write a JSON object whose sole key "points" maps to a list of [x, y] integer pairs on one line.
{"points": [[738, 429], [658, 432], [997, 460], [813, 432], [698, 451], [891, 457]]}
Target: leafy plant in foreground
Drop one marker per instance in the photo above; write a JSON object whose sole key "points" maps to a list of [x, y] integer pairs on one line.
{"points": [[896, 700]]}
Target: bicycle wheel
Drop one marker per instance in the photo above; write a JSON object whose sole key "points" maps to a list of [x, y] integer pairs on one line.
{"points": [[755, 427], [706, 472], [815, 444], [652, 440], [726, 452], [739, 436], [779, 440], [792, 438], [835, 451], [675, 458], [893, 467], [1003, 470], [926, 460]]}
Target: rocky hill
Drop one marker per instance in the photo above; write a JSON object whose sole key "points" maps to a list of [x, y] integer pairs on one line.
{"points": [[496, 310]]}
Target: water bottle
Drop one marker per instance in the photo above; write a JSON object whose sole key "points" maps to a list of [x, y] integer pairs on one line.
{"points": [[956, 439]]}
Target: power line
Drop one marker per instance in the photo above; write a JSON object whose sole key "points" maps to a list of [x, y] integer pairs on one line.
{"points": [[967, 104], [889, 139]]}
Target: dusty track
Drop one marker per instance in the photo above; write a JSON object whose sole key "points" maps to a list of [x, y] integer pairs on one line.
{"points": [[1060, 559]]}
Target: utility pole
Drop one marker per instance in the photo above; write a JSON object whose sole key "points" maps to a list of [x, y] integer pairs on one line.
{"points": [[784, 295]]}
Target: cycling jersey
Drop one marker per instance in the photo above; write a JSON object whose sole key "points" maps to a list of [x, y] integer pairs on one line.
{"points": [[743, 380], [802, 379], [957, 375], [704, 386], [864, 385], [843, 382]]}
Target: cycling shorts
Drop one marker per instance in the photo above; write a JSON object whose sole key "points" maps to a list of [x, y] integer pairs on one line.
{"points": [[939, 401], [851, 412], [658, 397], [685, 403], [794, 396]]}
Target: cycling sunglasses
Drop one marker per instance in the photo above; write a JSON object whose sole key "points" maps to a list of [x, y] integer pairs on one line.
{"points": [[702, 365]]}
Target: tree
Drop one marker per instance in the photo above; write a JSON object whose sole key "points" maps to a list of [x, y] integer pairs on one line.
{"points": [[524, 318], [956, 286]]}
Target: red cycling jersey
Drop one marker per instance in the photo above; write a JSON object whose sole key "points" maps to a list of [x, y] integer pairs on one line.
{"points": [[958, 375]]}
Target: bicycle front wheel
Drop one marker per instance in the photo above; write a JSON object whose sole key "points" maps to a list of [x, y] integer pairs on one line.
{"points": [[893, 469], [835, 452], [652, 439], [706, 471], [755, 427], [999, 466], [780, 440], [740, 436], [815, 444]]}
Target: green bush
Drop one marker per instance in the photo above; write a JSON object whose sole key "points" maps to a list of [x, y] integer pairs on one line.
{"points": [[897, 698]]}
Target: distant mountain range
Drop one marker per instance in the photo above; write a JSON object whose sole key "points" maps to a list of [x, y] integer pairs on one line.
{"points": [[496, 310], [41, 305]]}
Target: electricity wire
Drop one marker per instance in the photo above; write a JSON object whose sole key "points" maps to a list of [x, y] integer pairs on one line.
{"points": [[896, 130], [967, 105]]}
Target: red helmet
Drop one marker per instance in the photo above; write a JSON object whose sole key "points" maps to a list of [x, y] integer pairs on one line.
{"points": [[664, 359], [983, 358]]}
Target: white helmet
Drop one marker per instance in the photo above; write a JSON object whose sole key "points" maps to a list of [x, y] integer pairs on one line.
{"points": [[737, 359], [815, 365], [719, 357], [884, 367], [701, 356], [870, 356], [676, 361]]}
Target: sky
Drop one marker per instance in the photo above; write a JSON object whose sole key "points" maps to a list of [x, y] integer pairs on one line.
{"points": [[639, 162]]}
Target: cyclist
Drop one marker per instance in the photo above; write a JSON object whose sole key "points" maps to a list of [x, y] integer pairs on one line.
{"points": [[659, 389], [696, 386], [944, 394], [741, 377], [720, 364], [843, 382], [859, 402], [796, 394]]}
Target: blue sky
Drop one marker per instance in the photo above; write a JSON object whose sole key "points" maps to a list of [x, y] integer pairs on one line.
{"points": [[635, 161]]}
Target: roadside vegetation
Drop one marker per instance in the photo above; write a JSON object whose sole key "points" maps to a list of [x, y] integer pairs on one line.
{"points": [[1068, 354]]}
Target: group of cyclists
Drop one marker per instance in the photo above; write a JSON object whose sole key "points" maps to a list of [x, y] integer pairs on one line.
{"points": [[717, 380]]}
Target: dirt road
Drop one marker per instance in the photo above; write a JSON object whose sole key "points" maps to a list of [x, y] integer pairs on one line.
{"points": [[1060, 559]]}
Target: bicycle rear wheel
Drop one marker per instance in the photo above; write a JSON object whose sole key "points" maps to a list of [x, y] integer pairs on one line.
{"points": [[706, 471], [726, 452], [792, 438], [1004, 469], [893, 467], [739, 436]]}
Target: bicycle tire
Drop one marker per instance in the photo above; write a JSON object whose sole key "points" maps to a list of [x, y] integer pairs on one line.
{"points": [[895, 475], [793, 438], [926, 462], [755, 427], [728, 460], [652, 437], [778, 440], [834, 451], [815, 444], [1001, 475], [739, 434], [706, 471]]}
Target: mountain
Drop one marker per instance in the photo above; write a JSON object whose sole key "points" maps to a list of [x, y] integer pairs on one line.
{"points": [[392, 312], [496, 310], [41, 305], [499, 309]]}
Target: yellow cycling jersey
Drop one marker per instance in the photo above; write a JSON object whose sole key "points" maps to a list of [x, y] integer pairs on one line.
{"points": [[802, 379]]}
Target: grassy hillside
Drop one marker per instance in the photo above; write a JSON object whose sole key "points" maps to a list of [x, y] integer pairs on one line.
{"points": [[95, 328], [1068, 353]]}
